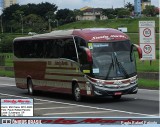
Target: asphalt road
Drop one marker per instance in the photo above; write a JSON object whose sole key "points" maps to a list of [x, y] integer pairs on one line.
{"points": [[143, 104]]}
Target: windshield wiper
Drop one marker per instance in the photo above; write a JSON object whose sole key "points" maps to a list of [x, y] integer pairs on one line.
{"points": [[121, 66], [112, 64]]}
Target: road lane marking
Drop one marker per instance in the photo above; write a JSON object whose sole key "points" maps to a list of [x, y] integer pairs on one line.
{"points": [[5, 85], [42, 103], [68, 113], [148, 90], [7, 78], [52, 108], [105, 109]]}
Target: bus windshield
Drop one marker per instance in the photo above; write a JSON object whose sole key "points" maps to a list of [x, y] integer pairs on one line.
{"points": [[113, 60]]}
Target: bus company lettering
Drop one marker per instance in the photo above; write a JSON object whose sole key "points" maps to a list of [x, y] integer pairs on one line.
{"points": [[118, 36], [108, 37], [16, 101], [101, 37], [61, 63]]}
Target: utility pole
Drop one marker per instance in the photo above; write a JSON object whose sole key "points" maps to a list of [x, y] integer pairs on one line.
{"points": [[124, 3], [49, 23], [56, 22], [22, 22]]}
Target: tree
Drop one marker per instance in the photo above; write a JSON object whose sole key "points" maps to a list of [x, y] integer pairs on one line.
{"points": [[65, 16], [157, 10], [110, 13], [44, 8], [150, 10], [8, 12], [35, 22], [51, 17], [129, 6], [123, 13], [31, 15]]}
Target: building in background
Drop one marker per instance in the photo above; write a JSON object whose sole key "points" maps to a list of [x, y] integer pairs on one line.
{"points": [[7, 3], [137, 7], [145, 3], [91, 14]]}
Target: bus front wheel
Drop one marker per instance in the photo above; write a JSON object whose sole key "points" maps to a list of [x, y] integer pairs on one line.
{"points": [[30, 87], [76, 93]]}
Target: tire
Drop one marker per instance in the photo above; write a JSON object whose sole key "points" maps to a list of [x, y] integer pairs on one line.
{"points": [[76, 93], [117, 97], [30, 87]]}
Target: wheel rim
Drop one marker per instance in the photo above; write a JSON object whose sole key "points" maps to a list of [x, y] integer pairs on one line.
{"points": [[77, 93]]}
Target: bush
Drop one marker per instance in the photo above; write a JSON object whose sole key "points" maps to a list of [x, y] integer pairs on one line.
{"points": [[6, 41]]}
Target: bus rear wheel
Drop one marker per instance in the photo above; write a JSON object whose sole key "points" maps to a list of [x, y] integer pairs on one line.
{"points": [[30, 87], [76, 93]]}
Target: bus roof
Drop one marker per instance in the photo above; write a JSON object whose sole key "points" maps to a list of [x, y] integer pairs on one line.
{"points": [[89, 34]]}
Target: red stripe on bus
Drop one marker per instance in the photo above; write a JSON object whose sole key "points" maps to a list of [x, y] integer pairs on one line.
{"points": [[58, 80], [67, 68], [95, 81], [78, 75], [57, 90]]}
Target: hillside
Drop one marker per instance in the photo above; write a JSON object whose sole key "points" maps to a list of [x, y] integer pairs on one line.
{"points": [[131, 24]]}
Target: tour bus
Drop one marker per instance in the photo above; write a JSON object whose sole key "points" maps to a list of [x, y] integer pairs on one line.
{"points": [[82, 62]]}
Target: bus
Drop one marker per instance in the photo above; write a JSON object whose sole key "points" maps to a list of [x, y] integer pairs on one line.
{"points": [[83, 62]]}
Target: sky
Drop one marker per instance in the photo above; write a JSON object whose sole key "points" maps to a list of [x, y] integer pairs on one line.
{"points": [[77, 4]]}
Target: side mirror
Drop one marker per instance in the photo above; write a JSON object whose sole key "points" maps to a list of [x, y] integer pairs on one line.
{"points": [[138, 49], [85, 55], [85, 58]]}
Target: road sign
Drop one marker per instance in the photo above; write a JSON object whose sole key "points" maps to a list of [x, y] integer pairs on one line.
{"points": [[147, 39], [146, 23], [147, 35], [148, 51], [147, 32]]}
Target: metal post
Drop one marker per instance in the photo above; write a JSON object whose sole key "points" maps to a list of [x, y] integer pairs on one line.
{"points": [[49, 23], [22, 22], [56, 22]]}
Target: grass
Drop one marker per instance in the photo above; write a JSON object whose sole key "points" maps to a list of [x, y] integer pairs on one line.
{"points": [[144, 66], [131, 24], [134, 37], [6, 73], [147, 83]]}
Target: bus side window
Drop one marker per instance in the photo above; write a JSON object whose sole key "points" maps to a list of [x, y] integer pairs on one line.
{"points": [[69, 50], [80, 43], [51, 49], [27, 49], [39, 48], [59, 47], [17, 49]]}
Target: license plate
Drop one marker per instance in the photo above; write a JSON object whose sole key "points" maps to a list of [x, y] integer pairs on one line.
{"points": [[118, 93]]}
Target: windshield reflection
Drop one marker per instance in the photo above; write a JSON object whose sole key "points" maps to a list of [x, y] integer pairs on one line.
{"points": [[113, 60]]}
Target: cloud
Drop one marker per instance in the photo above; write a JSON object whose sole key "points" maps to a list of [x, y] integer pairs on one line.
{"points": [[77, 4]]}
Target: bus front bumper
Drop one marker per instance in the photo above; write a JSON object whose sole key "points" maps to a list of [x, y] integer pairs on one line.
{"points": [[101, 91]]}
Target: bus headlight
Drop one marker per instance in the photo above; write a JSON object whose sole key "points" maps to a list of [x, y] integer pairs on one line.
{"points": [[133, 80], [99, 83]]}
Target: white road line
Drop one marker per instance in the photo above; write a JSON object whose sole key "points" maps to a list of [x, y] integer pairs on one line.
{"points": [[52, 108], [5, 85], [148, 90], [42, 103], [76, 113], [7, 78], [82, 106]]}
